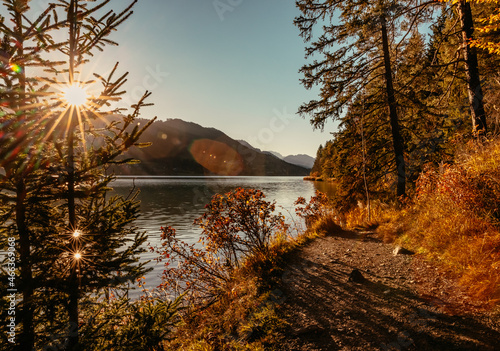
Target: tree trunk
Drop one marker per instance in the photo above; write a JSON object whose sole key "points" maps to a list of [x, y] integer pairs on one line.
{"points": [[474, 89], [27, 341], [393, 115], [28, 335], [73, 279], [73, 339]]}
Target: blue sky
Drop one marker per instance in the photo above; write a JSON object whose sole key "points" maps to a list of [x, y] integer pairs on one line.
{"points": [[234, 68], [228, 64]]}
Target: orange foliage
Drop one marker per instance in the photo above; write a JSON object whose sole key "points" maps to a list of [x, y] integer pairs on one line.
{"points": [[318, 206], [456, 219], [235, 226]]}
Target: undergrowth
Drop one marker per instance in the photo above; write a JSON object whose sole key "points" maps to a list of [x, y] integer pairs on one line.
{"points": [[232, 299], [453, 219], [245, 316]]}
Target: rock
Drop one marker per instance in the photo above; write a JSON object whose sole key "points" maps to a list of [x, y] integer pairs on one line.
{"points": [[356, 277], [399, 250], [309, 329]]}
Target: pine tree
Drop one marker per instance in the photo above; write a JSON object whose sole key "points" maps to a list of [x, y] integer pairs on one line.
{"points": [[73, 238], [487, 38], [19, 155], [316, 169], [474, 88], [353, 54]]}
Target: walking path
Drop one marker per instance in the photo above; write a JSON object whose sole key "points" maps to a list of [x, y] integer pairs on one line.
{"points": [[398, 302]]}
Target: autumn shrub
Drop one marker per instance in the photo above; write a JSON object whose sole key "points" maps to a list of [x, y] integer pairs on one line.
{"points": [[230, 276], [240, 223], [319, 206], [455, 219], [235, 226], [369, 217]]}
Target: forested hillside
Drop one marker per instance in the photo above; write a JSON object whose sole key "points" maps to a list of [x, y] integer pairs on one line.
{"points": [[185, 148], [404, 85]]}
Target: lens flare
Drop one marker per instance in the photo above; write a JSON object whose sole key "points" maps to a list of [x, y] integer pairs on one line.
{"points": [[217, 157], [75, 95], [16, 68]]}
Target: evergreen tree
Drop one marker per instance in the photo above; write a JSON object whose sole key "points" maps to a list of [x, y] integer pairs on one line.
{"points": [[468, 59], [353, 54], [474, 88], [73, 239], [316, 169]]}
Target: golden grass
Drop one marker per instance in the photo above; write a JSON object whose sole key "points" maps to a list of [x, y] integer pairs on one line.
{"points": [[362, 217], [244, 317], [454, 220]]}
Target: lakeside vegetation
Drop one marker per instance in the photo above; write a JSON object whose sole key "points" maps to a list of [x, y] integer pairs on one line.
{"points": [[233, 282], [416, 156], [414, 89], [453, 220]]}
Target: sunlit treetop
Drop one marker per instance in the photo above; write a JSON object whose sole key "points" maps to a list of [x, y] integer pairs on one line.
{"points": [[74, 95]]}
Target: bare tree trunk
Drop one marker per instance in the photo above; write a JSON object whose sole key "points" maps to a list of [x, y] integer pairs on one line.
{"points": [[474, 89], [27, 341], [363, 150], [397, 140]]}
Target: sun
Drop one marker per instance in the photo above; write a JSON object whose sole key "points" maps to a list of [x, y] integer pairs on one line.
{"points": [[75, 95]]}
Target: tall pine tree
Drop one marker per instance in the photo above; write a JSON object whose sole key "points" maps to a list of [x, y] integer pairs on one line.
{"points": [[72, 238], [350, 56]]}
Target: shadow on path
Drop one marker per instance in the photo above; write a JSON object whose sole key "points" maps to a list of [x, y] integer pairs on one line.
{"points": [[326, 311]]}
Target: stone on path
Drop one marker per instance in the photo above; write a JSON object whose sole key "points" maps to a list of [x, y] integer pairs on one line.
{"points": [[356, 277], [399, 250]]}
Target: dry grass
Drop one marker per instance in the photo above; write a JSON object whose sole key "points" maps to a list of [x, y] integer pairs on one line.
{"points": [[362, 217], [455, 220], [244, 317]]}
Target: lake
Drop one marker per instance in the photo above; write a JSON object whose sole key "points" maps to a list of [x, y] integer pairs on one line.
{"points": [[177, 201]]}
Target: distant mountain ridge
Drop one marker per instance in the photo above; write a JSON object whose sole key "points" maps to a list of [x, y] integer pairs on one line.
{"points": [[186, 148], [302, 160]]}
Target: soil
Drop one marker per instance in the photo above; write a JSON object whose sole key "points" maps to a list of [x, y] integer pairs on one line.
{"points": [[397, 302]]}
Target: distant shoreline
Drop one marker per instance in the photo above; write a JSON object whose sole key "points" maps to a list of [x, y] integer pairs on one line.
{"points": [[318, 179], [201, 176]]}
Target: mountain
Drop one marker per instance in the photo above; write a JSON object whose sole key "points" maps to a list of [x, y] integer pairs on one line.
{"points": [[277, 154], [300, 160], [186, 148], [247, 144]]}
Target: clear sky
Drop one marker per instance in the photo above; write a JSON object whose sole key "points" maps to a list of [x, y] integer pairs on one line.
{"points": [[228, 64]]}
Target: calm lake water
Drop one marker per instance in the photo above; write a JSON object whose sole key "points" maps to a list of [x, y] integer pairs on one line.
{"points": [[177, 201]]}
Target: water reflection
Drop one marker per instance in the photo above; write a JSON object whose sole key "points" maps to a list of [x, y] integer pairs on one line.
{"points": [[177, 202], [327, 187]]}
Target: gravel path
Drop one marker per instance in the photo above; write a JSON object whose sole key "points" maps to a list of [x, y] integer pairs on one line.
{"points": [[400, 302]]}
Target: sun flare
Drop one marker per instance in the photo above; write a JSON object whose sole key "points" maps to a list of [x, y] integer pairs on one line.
{"points": [[75, 95]]}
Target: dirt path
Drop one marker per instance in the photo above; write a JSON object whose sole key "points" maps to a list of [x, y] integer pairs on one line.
{"points": [[403, 303]]}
